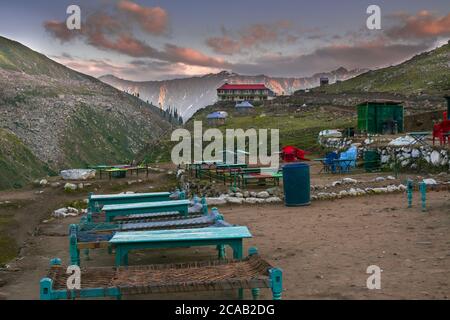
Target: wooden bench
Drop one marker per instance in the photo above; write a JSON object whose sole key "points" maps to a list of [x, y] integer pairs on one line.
{"points": [[97, 282], [96, 202], [145, 208], [124, 242]]}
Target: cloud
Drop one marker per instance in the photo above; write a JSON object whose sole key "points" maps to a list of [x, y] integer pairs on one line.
{"points": [[420, 26], [109, 32], [60, 31], [251, 36], [151, 19], [362, 55]]}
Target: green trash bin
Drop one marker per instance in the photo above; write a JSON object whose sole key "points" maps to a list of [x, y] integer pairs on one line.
{"points": [[371, 160], [296, 184]]}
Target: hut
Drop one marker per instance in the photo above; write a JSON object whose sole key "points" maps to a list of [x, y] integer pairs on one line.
{"points": [[244, 107], [217, 118], [380, 117]]}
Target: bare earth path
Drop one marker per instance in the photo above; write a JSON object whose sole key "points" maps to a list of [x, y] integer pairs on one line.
{"points": [[323, 249]]}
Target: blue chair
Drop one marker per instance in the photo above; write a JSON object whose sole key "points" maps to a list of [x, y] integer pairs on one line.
{"points": [[350, 156], [330, 165]]}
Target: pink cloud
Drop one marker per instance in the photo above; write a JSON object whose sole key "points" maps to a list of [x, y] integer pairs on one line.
{"points": [[252, 36], [422, 25], [151, 19], [60, 31]]}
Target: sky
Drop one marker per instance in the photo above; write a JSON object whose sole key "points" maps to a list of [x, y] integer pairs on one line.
{"points": [[157, 40]]}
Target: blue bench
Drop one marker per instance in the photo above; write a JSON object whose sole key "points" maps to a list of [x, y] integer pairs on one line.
{"points": [[124, 242], [99, 238], [145, 208], [96, 202]]}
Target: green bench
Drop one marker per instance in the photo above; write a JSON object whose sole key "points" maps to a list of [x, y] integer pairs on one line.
{"points": [[145, 208], [96, 202], [124, 242]]}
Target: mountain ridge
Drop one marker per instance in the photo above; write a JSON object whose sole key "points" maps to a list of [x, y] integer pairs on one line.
{"points": [[188, 95]]}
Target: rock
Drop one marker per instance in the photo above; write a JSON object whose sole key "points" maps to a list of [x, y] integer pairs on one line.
{"points": [[253, 194], [65, 212], [415, 153], [235, 200], [43, 182], [401, 187], [336, 183], [55, 184], [390, 178], [379, 179], [263, 195], [216, 201], [275, 191], [385, 159], [273, 200], [251, 200], [239, 195], [349, 180], [77, 174], [246, 194], [429, 181], [80, 186], [435, 157], [70, 187]]}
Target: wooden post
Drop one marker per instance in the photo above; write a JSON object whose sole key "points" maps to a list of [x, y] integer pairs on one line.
{"points": [[276, 279], [423, 193], [73, 245], [409, 192]]}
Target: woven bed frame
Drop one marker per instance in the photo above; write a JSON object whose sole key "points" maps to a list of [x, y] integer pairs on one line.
{"points": [[99, 238], [250, 273]]}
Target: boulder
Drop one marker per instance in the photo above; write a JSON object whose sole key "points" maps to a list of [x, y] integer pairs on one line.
{"points": [[70, 187], [349, 180], [235, 200], [263, 195], [429, 181], [216, 201], [273, 200], [435, 157], [77, 174]]}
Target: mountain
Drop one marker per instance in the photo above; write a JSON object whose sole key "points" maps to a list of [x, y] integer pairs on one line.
{"points": [[53, 117], [426, 73], [191, 94]]}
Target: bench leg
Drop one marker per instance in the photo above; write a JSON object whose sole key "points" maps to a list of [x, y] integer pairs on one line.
{"points": [[221, 251], [121, 257], [255, 293], [276, 278]]}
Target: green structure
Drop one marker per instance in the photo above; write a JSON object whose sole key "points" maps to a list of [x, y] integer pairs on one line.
{"points": [[380, 117]]}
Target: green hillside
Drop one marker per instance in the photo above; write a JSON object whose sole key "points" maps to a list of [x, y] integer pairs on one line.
{"points": [[428, 72], [64, 118], [18, 164]]}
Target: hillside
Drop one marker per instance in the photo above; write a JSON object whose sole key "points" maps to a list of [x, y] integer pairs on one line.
{"points": [[191, 94], [427, 73], [65, 118]]}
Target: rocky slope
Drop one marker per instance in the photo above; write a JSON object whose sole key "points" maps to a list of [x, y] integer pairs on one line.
{"points": [[426, 73], [191, 94], [66, 118]]}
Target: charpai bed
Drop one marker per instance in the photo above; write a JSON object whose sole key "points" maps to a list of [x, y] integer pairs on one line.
{"points": [[249, 273]]}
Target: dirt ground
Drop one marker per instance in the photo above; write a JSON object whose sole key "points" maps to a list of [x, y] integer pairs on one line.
{"points": [[324, 249]]}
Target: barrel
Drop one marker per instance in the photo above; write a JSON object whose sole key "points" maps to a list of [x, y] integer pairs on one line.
{"points": [[371, 160], [296, 184]]}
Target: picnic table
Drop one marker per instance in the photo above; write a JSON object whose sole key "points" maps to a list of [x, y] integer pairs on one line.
{"points": [[96, 202], [124, 242], [420, 137], [116, 210]]}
